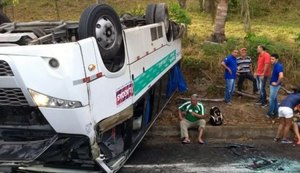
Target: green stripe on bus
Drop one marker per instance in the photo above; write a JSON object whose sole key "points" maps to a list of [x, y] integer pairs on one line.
{"points": [[145, 78]]}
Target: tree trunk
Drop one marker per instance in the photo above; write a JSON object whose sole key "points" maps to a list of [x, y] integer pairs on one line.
{"points": [[182, 3], [208, 6], [1, 6], [269, 3], [245, 13], [218, 34], [201, 5], [57, 10]]}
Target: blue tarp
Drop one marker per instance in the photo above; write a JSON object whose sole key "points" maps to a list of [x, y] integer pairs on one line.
{"points": [[176, 80], [148, 109]]}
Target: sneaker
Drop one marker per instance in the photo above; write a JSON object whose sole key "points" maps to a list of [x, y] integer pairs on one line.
{"points": [[228, 103], [286, 141], [268, 116], [255, 93], [258, 102], [276, 139], [263, 105]]}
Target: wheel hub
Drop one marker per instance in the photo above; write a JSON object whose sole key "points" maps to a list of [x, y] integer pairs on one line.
{"points": [[105, 33]]}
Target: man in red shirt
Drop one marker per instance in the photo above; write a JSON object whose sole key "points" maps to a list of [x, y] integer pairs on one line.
{"points": [[263, 71]]}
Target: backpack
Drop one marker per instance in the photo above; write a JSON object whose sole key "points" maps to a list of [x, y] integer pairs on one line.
{"points": [[216, 117]]}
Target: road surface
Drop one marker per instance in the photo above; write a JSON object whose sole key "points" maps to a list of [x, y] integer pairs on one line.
{"points": [[166, 155]]}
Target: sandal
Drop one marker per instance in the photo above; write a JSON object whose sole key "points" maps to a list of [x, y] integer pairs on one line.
{"points": [[186, 141], [201, 143]]}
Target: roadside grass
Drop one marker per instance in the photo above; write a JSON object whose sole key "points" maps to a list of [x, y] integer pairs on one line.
{"points": [[278, 30], [277, 26]]}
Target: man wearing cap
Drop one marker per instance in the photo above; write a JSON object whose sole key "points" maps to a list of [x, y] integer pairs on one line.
{"points": [[244, 63], [191, 114]]}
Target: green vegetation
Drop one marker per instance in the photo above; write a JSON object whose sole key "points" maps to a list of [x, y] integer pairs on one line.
{"points": [[179, 15], [4, 3], [275, 25]]}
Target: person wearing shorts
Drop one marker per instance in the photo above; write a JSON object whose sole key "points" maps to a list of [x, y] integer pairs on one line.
{"points": [[285, 114], [296, 123], [191, 114]]}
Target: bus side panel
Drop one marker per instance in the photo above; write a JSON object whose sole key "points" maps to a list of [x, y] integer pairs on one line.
{"points": [[110, 92], [149, 58]]}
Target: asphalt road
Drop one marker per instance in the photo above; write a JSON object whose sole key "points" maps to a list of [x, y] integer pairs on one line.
{"points": [[166, 155]]}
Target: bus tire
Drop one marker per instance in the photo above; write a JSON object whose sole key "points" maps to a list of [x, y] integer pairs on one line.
{"points": [[170, 33], [4, 18], [162, 15], [175, 30], [103, 23], [150, 13]]}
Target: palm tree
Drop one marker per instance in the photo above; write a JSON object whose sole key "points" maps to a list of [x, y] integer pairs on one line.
{"points": [[218, 34]]}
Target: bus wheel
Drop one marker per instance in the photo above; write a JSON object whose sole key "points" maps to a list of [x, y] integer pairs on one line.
{"points": [[170, 33], [4, 18], [162, 15], [176, 29], [103, 23], [150, 13]]}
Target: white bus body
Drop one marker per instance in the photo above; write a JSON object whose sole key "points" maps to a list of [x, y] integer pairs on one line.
{"points": [[63, 101]]}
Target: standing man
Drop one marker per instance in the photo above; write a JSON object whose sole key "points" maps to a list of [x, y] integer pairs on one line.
{"points": [[262, 73], [230, 66], [244, 63], [275, 84], [285, 113], [191, 114]]}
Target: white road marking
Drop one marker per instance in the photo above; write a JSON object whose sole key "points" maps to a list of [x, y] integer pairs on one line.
{"points": [[239, 167], [193, 167]]}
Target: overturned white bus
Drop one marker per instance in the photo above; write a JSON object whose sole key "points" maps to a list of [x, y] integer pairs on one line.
{"points": [[80, 96]]}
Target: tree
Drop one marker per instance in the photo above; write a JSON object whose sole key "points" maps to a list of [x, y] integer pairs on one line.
{"points": [[245, 13], [208, 6], [4, 3], [56, 9], [182, 3], [218, 34]]}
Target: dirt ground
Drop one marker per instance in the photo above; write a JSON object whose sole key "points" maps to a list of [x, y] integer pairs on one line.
{"points": [[243, 112]]}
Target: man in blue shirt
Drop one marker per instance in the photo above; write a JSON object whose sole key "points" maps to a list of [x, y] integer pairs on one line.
{"points": [[275, 84], [230, 66]]}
